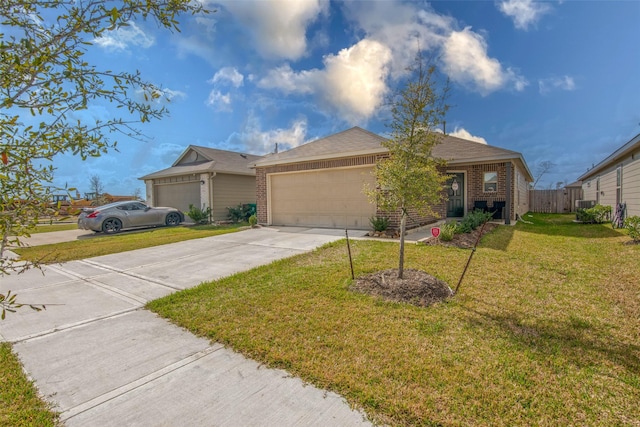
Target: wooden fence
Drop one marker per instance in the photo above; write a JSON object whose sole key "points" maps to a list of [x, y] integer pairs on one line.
{"points": [[554, 201]]}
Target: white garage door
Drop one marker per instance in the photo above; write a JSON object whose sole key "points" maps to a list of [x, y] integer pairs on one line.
{"points": [[331, 198], [178, 196]]}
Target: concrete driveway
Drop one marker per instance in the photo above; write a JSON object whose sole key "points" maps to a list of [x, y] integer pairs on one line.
{"points": [[103, 360]]}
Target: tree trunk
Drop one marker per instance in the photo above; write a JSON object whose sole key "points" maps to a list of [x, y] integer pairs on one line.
{"points": [[403, 226]]}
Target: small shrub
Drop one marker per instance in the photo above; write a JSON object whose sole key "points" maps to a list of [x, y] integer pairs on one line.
{"points": [[632, 224], [199, 216], [379, 223], [473, 220], [253, 220], [240, 213], [448, 230], [595, 215]]}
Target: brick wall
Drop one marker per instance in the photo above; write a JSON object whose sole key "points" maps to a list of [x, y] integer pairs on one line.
{"points": [[474, 181], [475, 178]]}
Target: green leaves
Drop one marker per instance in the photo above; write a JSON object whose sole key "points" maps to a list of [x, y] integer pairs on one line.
{"points": [[409, 178], [9, 304], [409, 175], [44, 77]]}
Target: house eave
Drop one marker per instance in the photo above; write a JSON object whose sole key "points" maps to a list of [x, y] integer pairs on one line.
{"points": [[491, 159], [193, 172], [275, 162], [382, 150], [614, 157]]}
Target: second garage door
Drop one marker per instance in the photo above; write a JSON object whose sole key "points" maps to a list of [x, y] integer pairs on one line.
{"points": [[178, 195], [331, 198]]}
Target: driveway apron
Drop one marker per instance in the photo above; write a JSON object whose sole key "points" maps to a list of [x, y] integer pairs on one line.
{"points": [[101, 359]]}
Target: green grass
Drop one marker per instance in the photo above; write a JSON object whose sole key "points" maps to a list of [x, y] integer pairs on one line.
{"points": [[19, 401], [47, 228], [127, 241], [545, 329]]}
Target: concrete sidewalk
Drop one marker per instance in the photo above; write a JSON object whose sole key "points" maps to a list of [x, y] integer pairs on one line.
{"points": [[102, 359]]}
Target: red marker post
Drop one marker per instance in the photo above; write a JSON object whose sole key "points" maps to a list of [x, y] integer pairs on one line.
{"points": [[435, 232]]}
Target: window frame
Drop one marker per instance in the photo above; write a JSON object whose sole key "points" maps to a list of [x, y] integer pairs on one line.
{"points": [[490, 186]]}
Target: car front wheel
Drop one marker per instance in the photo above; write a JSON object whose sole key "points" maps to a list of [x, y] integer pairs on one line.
{"points": [[111, 225], [173, 219]]}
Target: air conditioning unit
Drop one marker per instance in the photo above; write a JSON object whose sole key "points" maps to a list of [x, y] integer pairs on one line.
{"points": [[585, 204]]}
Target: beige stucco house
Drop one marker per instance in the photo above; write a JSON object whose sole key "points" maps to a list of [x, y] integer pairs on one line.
{"points": [[204, 177], [320, 184], [616, 179]]}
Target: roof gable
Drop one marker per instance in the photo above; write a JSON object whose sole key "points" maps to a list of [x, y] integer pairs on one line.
{"points": [[190, 156], [197, 159]]}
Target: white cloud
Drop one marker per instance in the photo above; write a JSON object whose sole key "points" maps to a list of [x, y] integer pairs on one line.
{"points": [[402, 27], [224, 77], [159, 96], [285, 79], [405, 27], [351, 85], [464, 134], [228, 74], [121, 38], [355, 79], [466, 61], [556, 83], [254, 140], [171, 95], [208, 23], [219, 101], [523, 12], [278, 27]]}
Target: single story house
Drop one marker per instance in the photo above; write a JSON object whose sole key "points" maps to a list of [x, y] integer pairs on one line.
{"points": [[616, 179], [321, 183], [204, 177]]}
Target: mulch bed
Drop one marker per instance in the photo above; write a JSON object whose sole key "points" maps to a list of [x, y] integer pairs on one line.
{"points": [[416, 287], [463, 240]]}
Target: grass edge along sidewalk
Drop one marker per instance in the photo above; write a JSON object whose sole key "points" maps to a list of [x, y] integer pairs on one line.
{"points": [[20, 404], [544, 331], [122, 242]]}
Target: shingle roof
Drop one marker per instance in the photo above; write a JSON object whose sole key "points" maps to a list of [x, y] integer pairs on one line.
{"points": [[214, 160], [357, 141], [457, 150], [343, 144]]}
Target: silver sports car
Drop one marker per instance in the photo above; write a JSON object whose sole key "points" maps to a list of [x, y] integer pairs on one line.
{"points": [[117, 216]]}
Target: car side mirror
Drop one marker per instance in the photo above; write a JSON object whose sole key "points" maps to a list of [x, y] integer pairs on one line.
{"points": [[147, 208]]}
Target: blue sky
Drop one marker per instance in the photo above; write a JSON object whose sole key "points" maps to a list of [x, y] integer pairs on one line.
{"points": [[557, 81]]}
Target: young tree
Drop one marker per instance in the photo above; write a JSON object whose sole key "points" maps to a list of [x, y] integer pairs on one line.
{"points": [[96, 188], [409, 178], [542, 168], [137, 194], [45, 78]]}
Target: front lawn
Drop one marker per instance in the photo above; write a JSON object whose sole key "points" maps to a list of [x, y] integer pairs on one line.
{"points": [[544, 331], [102, 244], [54, 226], [19, 401]]}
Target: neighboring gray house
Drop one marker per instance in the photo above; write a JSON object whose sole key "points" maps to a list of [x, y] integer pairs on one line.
{"points": [[204, 177], [321, 183], [616, 179]]}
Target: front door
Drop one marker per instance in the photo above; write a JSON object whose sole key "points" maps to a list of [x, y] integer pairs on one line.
{"points": [[455, 193]]}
